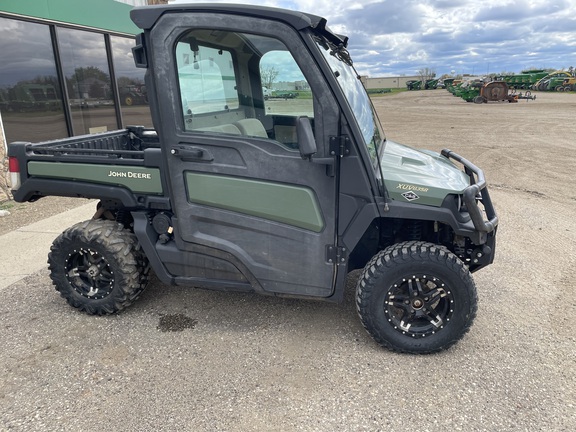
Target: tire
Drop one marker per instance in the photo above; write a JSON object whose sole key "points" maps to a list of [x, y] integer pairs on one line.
{"points": [[478, 100], [439, 312], [128, 100], [98, 267]]}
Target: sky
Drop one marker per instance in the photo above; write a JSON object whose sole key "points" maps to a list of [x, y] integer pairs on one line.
{"points": [[401, 37]]}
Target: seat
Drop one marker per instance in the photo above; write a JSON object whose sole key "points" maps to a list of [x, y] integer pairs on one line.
{"points": [[225, 128], [251, 127]]}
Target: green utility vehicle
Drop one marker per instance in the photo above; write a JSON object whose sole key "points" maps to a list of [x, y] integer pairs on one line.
{"points": [[235, 192]]}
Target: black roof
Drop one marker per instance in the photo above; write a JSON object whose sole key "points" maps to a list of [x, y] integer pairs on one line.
{"points": [[145, 16]]}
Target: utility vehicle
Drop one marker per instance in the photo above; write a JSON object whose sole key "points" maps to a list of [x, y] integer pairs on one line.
{"points": [[235, 192]]}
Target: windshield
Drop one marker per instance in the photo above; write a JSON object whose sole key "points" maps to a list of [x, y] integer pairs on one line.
{"points": [[358, 99]]}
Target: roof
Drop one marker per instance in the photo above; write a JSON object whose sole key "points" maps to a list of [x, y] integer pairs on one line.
{"points": [[146, 16]]}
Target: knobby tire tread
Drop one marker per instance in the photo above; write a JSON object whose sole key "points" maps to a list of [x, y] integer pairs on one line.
{"points": [[111, 237], [400, 254]]}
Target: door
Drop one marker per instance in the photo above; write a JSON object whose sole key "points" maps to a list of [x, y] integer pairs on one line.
{"points": [[247, 205]]}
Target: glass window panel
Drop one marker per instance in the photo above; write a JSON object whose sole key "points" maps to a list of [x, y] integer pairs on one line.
{"points": [[87, 76], [130, 83], [223, 91], [286, 90], [207, 81], [30, 94]]}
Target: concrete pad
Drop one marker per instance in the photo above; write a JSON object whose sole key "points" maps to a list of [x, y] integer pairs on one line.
{"points": [[24, 251]]}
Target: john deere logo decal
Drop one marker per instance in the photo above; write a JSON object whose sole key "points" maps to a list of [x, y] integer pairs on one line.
{"points": [[410, 196]]}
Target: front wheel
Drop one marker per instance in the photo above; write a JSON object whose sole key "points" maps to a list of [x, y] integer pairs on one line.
{"points": [[98, 267], [416, 297]]}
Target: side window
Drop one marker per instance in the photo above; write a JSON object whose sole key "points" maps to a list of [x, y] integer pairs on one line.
{"points": [[287, 95], [240, 83], [285, 89], [206, 78]]}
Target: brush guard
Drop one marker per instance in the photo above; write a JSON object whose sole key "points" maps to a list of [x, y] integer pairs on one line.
{"points": [[477, 191]]}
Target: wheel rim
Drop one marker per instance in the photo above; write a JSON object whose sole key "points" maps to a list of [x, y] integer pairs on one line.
{"points": [[89, 273], [419, 306]]}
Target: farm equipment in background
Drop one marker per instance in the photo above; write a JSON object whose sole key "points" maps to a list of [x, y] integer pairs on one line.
{"points": [[134, 94], [524, 80], [552, 82], [468, 90], [452, 85], [430, 84], [31, 97], [282, 94], [527, 95], [478, 91], [569, 84], [414, 85], [494, 91]]}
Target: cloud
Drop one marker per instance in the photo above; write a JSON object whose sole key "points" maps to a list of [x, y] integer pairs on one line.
{"points": [[391, 38]]}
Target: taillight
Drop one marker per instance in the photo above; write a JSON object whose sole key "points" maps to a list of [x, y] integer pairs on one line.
{"points": [[14, 169]]}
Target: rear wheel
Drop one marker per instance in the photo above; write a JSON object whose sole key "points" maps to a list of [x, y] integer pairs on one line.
{"points": [[98, 267], [416, 297]]}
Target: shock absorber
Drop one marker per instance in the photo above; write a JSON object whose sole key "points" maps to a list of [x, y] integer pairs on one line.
{"points": [[123, 216], [414, 230]]}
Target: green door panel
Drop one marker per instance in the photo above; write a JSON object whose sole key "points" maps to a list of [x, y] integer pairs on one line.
{"points": [[137, 179], [292, 205]]}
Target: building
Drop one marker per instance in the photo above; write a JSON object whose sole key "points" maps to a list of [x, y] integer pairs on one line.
{"points": [[66, 69], [387, 82]]}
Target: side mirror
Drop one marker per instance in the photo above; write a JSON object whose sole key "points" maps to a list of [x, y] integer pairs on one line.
{"points": [[306, 140]]}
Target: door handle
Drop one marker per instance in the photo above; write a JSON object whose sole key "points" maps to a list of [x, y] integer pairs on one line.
{"points": [[191, 153]]}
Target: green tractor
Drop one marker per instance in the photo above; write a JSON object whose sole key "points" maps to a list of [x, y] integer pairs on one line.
{"points": [[552, 82], [134, 94]]}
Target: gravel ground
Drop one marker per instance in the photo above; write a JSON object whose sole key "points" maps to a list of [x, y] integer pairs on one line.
{"points": [[184, 359]]}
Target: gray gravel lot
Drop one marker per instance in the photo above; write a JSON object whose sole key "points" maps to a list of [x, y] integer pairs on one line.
{"points": [[183, 359]]}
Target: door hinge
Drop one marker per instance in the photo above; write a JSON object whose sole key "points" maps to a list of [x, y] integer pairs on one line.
{"points": [[339, 146], [336, 255]]}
